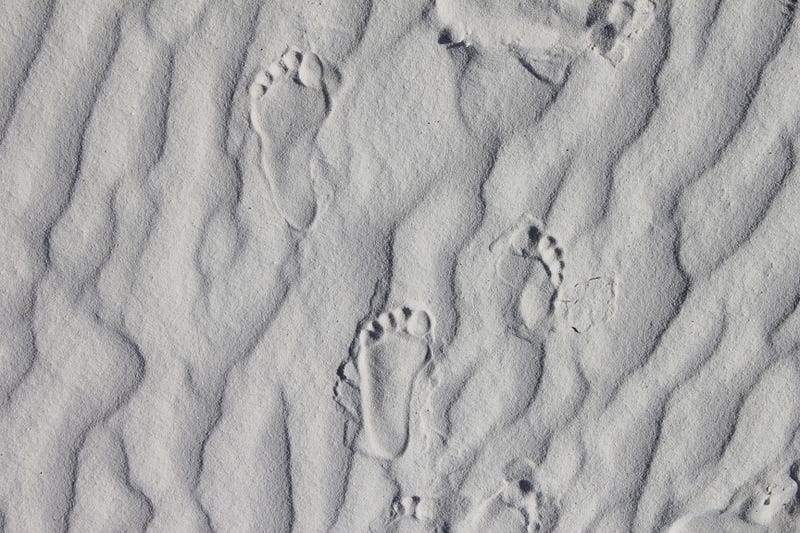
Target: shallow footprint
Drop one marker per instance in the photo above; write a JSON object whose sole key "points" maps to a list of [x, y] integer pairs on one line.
{"points": [[520, 505], [546, 36], [408, 514], [775, 505], [288, 103], [614, 23], [712, 522], [391, 352], [533, 267]]}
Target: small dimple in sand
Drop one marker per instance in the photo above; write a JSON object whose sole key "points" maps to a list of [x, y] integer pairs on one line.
{"points": [[288, 104], [392, 350]]}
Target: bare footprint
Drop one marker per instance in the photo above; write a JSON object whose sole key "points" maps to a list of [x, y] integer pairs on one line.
{"points": [[774, 505], [533, 25], [391, 351], [407, 514], [288, 103], [612, 24], [520, 505], [532, 267], [546, 33]]}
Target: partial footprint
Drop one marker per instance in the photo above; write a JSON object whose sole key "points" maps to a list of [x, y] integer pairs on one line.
{"points": [[774, 505], [391, 351], [409, 514], [520, 505], [712, 522], [613, 24], [288, 103], [545, 33], [532, 25], [532, 266], [530, 240]]}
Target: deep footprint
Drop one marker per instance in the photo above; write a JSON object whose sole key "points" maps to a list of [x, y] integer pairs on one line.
{"points": [[288, 103], [391, 352]]}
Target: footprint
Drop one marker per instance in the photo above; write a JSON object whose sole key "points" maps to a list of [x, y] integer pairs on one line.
{"points": [[545, 32], [288, 103], [612, 24], [532, 266], [530, 240], [773, 504], [773, 507], [391, 351], [520, 505], [409, 513], [532, 25]]}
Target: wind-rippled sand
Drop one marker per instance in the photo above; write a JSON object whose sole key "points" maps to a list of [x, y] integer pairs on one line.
{"points": [[398, 266]]}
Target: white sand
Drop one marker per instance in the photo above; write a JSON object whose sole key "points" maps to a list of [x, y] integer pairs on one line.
{"points": [[406, 265]]}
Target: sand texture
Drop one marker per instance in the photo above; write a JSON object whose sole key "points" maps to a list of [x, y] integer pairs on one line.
{"points": [[363, 266]]}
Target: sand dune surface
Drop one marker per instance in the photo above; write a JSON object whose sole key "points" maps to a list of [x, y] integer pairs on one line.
{"points": [[411, 265]]}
